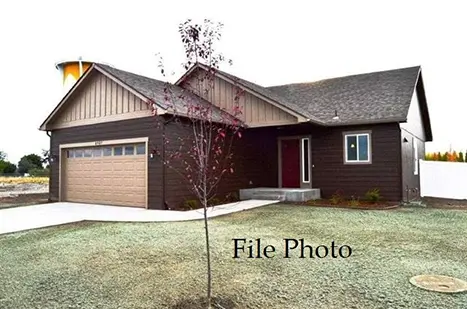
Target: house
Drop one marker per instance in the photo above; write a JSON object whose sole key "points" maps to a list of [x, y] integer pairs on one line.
{"points": [[348, 134]]}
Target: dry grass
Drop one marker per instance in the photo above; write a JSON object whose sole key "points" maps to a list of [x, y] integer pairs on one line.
{"points": [[23, 180], [162, 265]]}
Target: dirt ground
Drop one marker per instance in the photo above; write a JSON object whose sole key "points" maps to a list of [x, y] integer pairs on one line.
{"points": [[23, 200], [13, 195]]}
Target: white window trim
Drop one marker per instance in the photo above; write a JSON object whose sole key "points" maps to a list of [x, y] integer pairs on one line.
{"points": [[346, 146], [415, 156], [307, 158]]}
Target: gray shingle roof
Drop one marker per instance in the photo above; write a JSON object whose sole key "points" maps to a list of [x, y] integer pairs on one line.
{"points": [[154, 89], [364, 98]]}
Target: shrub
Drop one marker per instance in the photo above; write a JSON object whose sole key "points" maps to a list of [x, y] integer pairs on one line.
{"points": [[232, 197], [337, 198], [39, 172], [214, 201], [190, 204], [354, 201], [373, 195]]}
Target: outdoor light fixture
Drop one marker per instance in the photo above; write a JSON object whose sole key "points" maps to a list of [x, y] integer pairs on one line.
{"points": [[336, 117], [352, 145]]}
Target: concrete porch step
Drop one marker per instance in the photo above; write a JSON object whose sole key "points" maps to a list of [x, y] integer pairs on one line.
{"points": [[282, 194]]}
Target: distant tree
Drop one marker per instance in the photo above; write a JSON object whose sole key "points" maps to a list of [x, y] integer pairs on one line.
{"points": [[445, 156], [3, 156], [28, 162], [439, 156], [9, 168], [452, 156], [460, 157]]}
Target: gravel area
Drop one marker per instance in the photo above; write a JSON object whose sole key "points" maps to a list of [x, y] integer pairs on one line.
{"points": [[8, 190], [141, 265]]}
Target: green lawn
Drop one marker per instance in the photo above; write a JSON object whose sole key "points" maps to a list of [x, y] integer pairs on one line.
{"points": [[140, 265]]}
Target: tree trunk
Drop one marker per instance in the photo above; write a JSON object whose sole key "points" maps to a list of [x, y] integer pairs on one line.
{"points": [[208, 253]]}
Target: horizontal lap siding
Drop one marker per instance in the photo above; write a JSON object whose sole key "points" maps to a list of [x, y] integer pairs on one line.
{"points": [[331, 174], [254, 158], [141, 127]]}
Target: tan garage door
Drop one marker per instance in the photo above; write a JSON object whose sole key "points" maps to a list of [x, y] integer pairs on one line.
{"points": [[112, 175]]}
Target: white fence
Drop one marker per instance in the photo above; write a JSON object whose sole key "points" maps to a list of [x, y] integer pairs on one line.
{"points": [[443, 179]]}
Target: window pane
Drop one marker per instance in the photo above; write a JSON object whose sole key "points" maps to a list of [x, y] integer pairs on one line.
{"points": [[141, 149], [306, 168], [87, 153], [363, 147], [118, 151], [78, 153], [129, 150], [351, 147], [107, 151], [97, 152], [69, 153]]}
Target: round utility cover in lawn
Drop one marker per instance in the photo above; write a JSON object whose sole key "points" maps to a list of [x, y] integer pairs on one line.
{"points": [[438, 283]]}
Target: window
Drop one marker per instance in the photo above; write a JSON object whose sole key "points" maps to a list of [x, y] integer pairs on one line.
{"points": [[70, 153], [129, 150], [305, 160], [140, 149], [97, 152], [118, 151], [357, 148], [107, 151], [87, 153], [415, 155], [78, 153]]}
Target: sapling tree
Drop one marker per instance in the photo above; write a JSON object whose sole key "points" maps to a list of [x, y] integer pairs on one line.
{"points": [[202, 154]]}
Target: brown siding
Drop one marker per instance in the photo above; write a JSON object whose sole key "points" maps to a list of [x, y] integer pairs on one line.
{"points": [[329, 173], [256, 159], [134, 128]]}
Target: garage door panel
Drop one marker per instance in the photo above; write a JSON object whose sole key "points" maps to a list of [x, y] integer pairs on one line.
{"points": [[114, 180]]}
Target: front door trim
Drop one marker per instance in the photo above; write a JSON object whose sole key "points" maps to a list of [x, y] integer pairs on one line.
{"points": [[279, 159]]}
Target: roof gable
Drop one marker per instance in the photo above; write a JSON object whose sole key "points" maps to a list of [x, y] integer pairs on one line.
{"points": [[257, 90], [147, 90]]}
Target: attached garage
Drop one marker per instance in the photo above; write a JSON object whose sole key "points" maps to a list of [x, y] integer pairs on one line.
{"points": [[111, 172]]}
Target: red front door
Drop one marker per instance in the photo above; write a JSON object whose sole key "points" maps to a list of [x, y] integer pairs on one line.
{"points": [[290, 152]]}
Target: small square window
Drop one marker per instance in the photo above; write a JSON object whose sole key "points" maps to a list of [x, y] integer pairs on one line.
{"points": [[78, 153], [87, 153], [357, 148], [129, 150], [141, 149], [107, 151], [118, 151], [97, 152]]}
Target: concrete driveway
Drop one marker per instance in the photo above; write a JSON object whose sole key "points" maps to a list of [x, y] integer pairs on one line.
{"points": [[37, 216]]}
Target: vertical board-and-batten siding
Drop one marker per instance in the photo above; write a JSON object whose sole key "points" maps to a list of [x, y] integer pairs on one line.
{"points": [[255, 111], [100, 100]]}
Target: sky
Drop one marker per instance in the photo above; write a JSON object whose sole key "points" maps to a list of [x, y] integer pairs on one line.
{"points": [[269, 42]]}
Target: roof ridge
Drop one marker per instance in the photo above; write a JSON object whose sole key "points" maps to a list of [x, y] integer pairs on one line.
{"points": [[343, 76], [105, 66]]}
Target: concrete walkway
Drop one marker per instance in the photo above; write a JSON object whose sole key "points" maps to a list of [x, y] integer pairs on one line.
{"points": [[37, 216]]}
